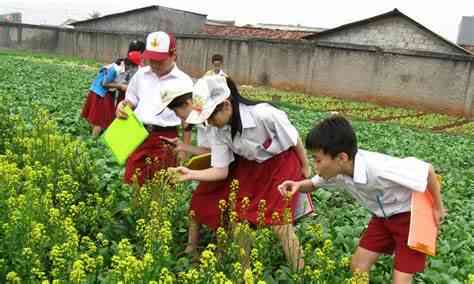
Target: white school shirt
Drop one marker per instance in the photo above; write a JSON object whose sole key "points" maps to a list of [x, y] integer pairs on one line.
{"points": [[383, 184], [144, 92], [203, 135], [266, 132]]}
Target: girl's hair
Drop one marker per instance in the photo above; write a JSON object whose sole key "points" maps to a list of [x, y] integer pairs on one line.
{"points": [[180, 101], [136, 45], [235, 99]]}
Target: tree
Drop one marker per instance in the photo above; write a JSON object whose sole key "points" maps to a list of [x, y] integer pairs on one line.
{"points": [[94, 15]]}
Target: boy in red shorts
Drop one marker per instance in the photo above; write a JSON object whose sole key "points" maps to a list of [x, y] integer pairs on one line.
{"points": [[381, 183]]}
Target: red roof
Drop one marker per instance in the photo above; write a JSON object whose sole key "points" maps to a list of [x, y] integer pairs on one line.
{"points": [[252, 32]]}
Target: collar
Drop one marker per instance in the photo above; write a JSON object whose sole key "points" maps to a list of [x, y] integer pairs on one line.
{"points": [[360, 168], [246, 116], [173, 73]]}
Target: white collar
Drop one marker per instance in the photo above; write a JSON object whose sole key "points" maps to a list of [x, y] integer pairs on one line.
{"points": [[360, 168], [246, 117], [174, 72]]}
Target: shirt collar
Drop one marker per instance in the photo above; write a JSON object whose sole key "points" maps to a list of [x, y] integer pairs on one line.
{"points": [[173, 73], [360, 168], [246, 117]]}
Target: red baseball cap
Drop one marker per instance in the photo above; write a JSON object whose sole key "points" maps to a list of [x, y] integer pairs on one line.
{"points": [[159, 46], [135, 57]]}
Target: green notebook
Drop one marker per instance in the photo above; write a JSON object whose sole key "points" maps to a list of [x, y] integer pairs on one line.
{"points": [[123, 136]]}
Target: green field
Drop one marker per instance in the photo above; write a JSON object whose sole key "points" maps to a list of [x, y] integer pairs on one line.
{"points": [[67, 218]]}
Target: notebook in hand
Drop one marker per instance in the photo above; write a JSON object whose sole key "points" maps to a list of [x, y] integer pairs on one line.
{"points": [[305, 206], [200, 162], [123, 136]]}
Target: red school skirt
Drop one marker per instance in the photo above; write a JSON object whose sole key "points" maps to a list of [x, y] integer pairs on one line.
{"points": [[99, 111], [259, 181], [205, 199], [160, 154]]}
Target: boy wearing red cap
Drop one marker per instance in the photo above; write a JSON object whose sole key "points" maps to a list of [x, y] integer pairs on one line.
{"points": [[143, 96]]}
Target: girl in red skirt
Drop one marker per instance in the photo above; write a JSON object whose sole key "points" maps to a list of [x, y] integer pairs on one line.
{"points": [[99, 108], [265, 150], [181, 102]]}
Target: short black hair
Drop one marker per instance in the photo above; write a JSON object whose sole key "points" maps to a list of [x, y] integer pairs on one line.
{"points": [[180, 101], [217, 57], [333, 135], [136, 45]]}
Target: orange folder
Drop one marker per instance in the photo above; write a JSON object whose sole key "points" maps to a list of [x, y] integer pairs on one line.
{"points": [[423, 229]]}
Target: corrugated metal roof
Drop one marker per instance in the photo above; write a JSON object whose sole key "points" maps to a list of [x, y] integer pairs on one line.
{"points": [[466, 31]]}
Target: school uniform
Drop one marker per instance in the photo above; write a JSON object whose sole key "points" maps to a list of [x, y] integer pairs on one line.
{"points": [[204, 205], [99, 107], [264, 156], [144, 93], [384, 185]]}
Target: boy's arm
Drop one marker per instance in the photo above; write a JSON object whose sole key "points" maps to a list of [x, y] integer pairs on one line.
{"points": [[306, 185], [435, 189], [131, 99], [289, 187]]}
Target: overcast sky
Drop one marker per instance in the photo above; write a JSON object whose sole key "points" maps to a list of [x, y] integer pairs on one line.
{"points": [[440, 16]]}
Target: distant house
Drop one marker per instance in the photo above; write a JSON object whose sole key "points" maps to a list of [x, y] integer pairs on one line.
{"points": [[392, 30], [220, 22], [147, 19], [246, 32], [11, 17], [466, 33], [67, 23], [289, 27]]}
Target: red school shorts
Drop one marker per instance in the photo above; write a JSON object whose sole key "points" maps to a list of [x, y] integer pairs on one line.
{"points": [[390, 236]]}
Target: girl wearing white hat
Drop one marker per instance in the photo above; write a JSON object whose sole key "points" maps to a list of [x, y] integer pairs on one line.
{"points": [[265, 149]]}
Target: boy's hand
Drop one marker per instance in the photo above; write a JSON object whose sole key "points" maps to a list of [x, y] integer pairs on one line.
{"points": [[120, 113], [439, 214], [289, 188]]}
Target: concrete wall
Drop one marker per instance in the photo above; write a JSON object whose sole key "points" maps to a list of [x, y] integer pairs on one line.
{"points": [[393, 32], [152, 19], [428, 81]]}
